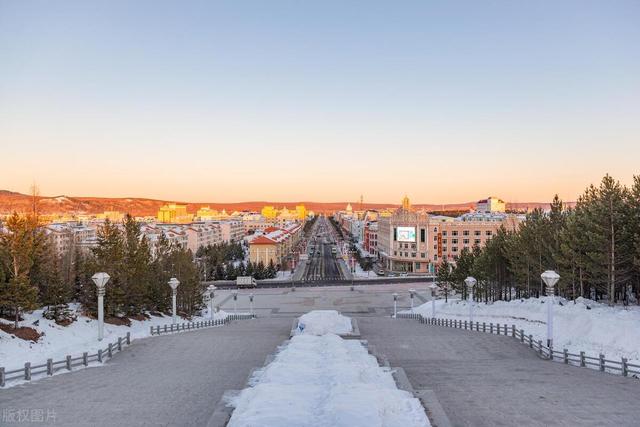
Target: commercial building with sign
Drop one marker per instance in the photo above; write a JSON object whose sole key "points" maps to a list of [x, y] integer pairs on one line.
{"points": [[415, 242]]}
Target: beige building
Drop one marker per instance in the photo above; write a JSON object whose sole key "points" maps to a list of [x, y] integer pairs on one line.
{"points": [[275, 245], [416, 242]]}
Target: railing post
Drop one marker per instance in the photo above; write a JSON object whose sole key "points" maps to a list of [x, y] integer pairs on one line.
{"points": [[484, 326], [498, 328], [551, 352], [505, 330], [583, 363], [513, 331], [49, 366], [68, 362], [566, 356], [158, 329], [522, 335], [530, 341], [85, 358], [128, 338], [540, 347], [465, 324], [110, 350], [100, 356], [491, 327], [2, 377], [165, 329], [601, 362], [27, 371], [625, 368], [151, 329], [477, 326], [119, 344]]}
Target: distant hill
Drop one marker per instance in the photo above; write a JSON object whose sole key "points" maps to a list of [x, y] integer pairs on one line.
{"points": [[11, 201]]}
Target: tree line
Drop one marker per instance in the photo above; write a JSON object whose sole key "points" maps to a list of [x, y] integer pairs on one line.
{"points": [[33, 275], [594, 246]]}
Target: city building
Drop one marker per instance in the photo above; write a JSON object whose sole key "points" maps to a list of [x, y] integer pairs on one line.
{"points": [[490, 205], [416, 242], [232, 230], [173, 213], [274, 244]]}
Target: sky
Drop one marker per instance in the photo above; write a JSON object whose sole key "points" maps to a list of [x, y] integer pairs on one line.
{"points": [[222, 101]]}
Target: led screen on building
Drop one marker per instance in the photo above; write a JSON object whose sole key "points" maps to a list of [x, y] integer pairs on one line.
{"points": [[406, 234]]}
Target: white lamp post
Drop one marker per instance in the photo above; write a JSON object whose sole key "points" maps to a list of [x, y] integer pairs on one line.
{"points": [[251, 304], [235, 301], [174, 283], [433, 300], [211, 289], [550, 278], [411, 292], [395, 304], [470, 282], [100, 279]]}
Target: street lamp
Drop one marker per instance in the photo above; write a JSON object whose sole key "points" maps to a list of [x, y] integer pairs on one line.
{"points": [[173, 282], [470, 282], [235, 301], [433, 300], [411, 292], [211, 289], [251, 304], [395, 304], [100, 279], [550, 278]]}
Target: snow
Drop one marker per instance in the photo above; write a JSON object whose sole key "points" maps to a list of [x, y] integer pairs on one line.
{"points": [[612, 331], [78, 337], [280, 276], [324, 380], [321, 322]]}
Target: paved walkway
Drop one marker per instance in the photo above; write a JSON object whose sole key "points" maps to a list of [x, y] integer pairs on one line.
{"points": [[172, 380], [489, 380]]}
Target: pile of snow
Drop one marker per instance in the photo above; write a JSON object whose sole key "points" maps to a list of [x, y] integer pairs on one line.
{"points": [[325, 381], [584, 326], [80, 336], [321, 322]]}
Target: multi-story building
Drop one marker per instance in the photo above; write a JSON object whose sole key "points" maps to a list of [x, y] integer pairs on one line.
{"points": [[491, 204], [274, 244], [370, 243], [413, 241], [232, 230], [202, 234], [173, 213]]}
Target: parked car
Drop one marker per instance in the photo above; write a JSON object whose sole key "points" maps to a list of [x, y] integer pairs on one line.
{"points": [[246, 282]]}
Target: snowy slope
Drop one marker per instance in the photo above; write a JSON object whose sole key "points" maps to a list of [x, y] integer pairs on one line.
{"points": [[80, 336], [613, 331], [325, 381], [320, 322]]}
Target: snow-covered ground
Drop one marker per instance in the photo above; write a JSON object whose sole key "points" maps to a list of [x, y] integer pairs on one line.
{"points": [[321, 322], [80, 336], [280, 276], [324, 380], [584, 326]]}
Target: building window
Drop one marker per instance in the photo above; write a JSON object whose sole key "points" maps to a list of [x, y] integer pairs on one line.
{"points": [[444, 233], [422, 255], [444, 241], [395, 234], [454, 249], [423, 234], [395, 253], [454, 233], [465, 241], [435, 238], [413, 254], [454, 241], [435, 247], [435, 257], [476, 242], [465, 233], [444, 249], [435, 229], [488, 232], [417, 266], [476, 233]]}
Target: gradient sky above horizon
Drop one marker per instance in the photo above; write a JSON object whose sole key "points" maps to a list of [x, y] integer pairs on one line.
{"points": [[446, 101]]}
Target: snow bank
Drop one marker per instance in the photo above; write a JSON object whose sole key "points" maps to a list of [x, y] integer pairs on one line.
{"points": [[320, 322], [584, 326], [325, 381], [80, 336]]}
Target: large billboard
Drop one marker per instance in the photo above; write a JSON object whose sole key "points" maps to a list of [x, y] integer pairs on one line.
{"points": [[406, 234]]}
